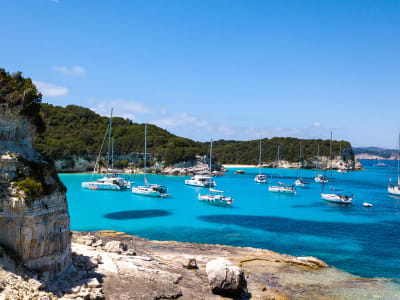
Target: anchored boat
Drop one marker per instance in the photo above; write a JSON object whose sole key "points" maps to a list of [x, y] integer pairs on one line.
{"points": [[111, 181], [216, 197], [393, 188], [150, 190], [260, 178], [281, 187], [300, 181], [319, 178], [335, 195]]}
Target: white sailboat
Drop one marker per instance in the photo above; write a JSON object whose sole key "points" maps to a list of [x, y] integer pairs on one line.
{"points": [[150, 190], [216, 197], [300, 181], [335, 195], [110, 181], [319, 178], [203, 180], [281, 187], [393, 188], [260, 178]]}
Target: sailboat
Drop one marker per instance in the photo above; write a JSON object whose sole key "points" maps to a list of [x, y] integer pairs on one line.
{"points": [[281, 187], [203, 180], [393, 188], [335, 195], [150, 190], [110, 181], [260, 178], [319, 177], [300, 181]]}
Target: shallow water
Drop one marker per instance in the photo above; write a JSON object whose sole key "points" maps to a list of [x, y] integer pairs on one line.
{"points": [[363, 241]]}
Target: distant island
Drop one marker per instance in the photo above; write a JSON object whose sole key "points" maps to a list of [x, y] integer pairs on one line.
{"points": [[74, 135], [375, 153]]}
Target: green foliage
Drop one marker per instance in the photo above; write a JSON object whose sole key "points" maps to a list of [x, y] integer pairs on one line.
{"points": [[31, 187], [16, 90], [78, 131]]}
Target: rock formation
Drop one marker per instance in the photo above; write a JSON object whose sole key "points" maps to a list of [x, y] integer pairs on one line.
{"points": [[34, 219]]}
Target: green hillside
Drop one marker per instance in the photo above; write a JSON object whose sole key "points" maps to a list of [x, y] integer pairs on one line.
{"points": [[78, 131]]}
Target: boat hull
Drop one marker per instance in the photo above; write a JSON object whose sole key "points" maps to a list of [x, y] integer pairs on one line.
{"points": [[280, 189], [394, 190], [101, 186], [147, 192], [336, 198], [216, 200]]}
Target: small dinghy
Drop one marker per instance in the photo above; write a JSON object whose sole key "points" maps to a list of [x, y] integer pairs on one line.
{"points": [[366, 204]]}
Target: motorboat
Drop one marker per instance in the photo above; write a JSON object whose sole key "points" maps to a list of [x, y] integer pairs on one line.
{"points": [[201, 181], [216, 197], [261, 178], [321, 178], [341, 170], [394, 188], [301, 183], [151, 190], [283, 188], [366, 204]]}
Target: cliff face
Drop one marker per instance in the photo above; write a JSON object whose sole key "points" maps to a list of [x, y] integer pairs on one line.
{"points": [[34, 218]]}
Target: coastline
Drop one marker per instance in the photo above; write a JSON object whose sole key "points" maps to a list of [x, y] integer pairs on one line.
{"points": [[269, 275]]}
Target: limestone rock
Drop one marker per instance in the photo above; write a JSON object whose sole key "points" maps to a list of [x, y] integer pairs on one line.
{"points": [[190, 263], [225, 278], [115, 246]]}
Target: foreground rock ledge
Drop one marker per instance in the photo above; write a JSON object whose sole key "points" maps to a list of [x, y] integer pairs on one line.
{"points": [[114, 265]]}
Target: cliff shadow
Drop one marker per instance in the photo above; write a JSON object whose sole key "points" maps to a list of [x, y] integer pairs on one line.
{"points": [[137, 214]]}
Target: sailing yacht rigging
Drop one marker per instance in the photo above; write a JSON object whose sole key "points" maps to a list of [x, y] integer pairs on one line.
{"points": [[393, 188], [260, 178], [300, 181], [110, 181], [203, 180], [341, 168], [150, 190], [334, 195], [281, 187], [319, 177]]}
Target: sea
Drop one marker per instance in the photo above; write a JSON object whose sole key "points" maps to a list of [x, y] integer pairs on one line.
{"points": [[360, 240]]}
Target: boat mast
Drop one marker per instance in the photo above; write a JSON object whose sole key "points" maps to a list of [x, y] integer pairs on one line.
{"points": [[210, 155], [298, 168], [112, 155], [109, 142], [330, 157], [316, 172], [277, 172], [145, 152], [398, 164], [259, 161]]}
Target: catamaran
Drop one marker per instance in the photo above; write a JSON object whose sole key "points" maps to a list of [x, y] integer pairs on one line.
{"points": [[260, 178], [216, 197], [111, 181], [281, 187], [335, 195], [319, 178], [203, 180], [150, 190], [300, 181], [393, 188]]}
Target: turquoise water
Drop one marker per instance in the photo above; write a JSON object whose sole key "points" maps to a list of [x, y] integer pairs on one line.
{"points": [[364, 241]]}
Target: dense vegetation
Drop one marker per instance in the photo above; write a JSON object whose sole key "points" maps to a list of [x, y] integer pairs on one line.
{"points": [[17, 91], [78, 131]]}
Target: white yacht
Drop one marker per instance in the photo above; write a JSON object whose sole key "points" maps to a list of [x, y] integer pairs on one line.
{"points": [[300, 182], [201, 181], [216, 197], [260, 178], [342, 170], [281, 187], [335, 195], [111, 181], [393, 188], [150, 190]]}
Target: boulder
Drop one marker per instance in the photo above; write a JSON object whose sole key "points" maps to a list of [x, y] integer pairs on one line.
{"points": [[225, 278], [115, 246], [190, 263]]}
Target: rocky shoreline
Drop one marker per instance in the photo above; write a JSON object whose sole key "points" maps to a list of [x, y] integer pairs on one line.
{"points": [[114, 265]]}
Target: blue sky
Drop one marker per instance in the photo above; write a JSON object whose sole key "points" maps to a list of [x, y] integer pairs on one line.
{"points": [[217, 69]]}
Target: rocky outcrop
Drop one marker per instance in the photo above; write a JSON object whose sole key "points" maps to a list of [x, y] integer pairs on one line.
{"points": [[225, 278], [34, 219]]}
